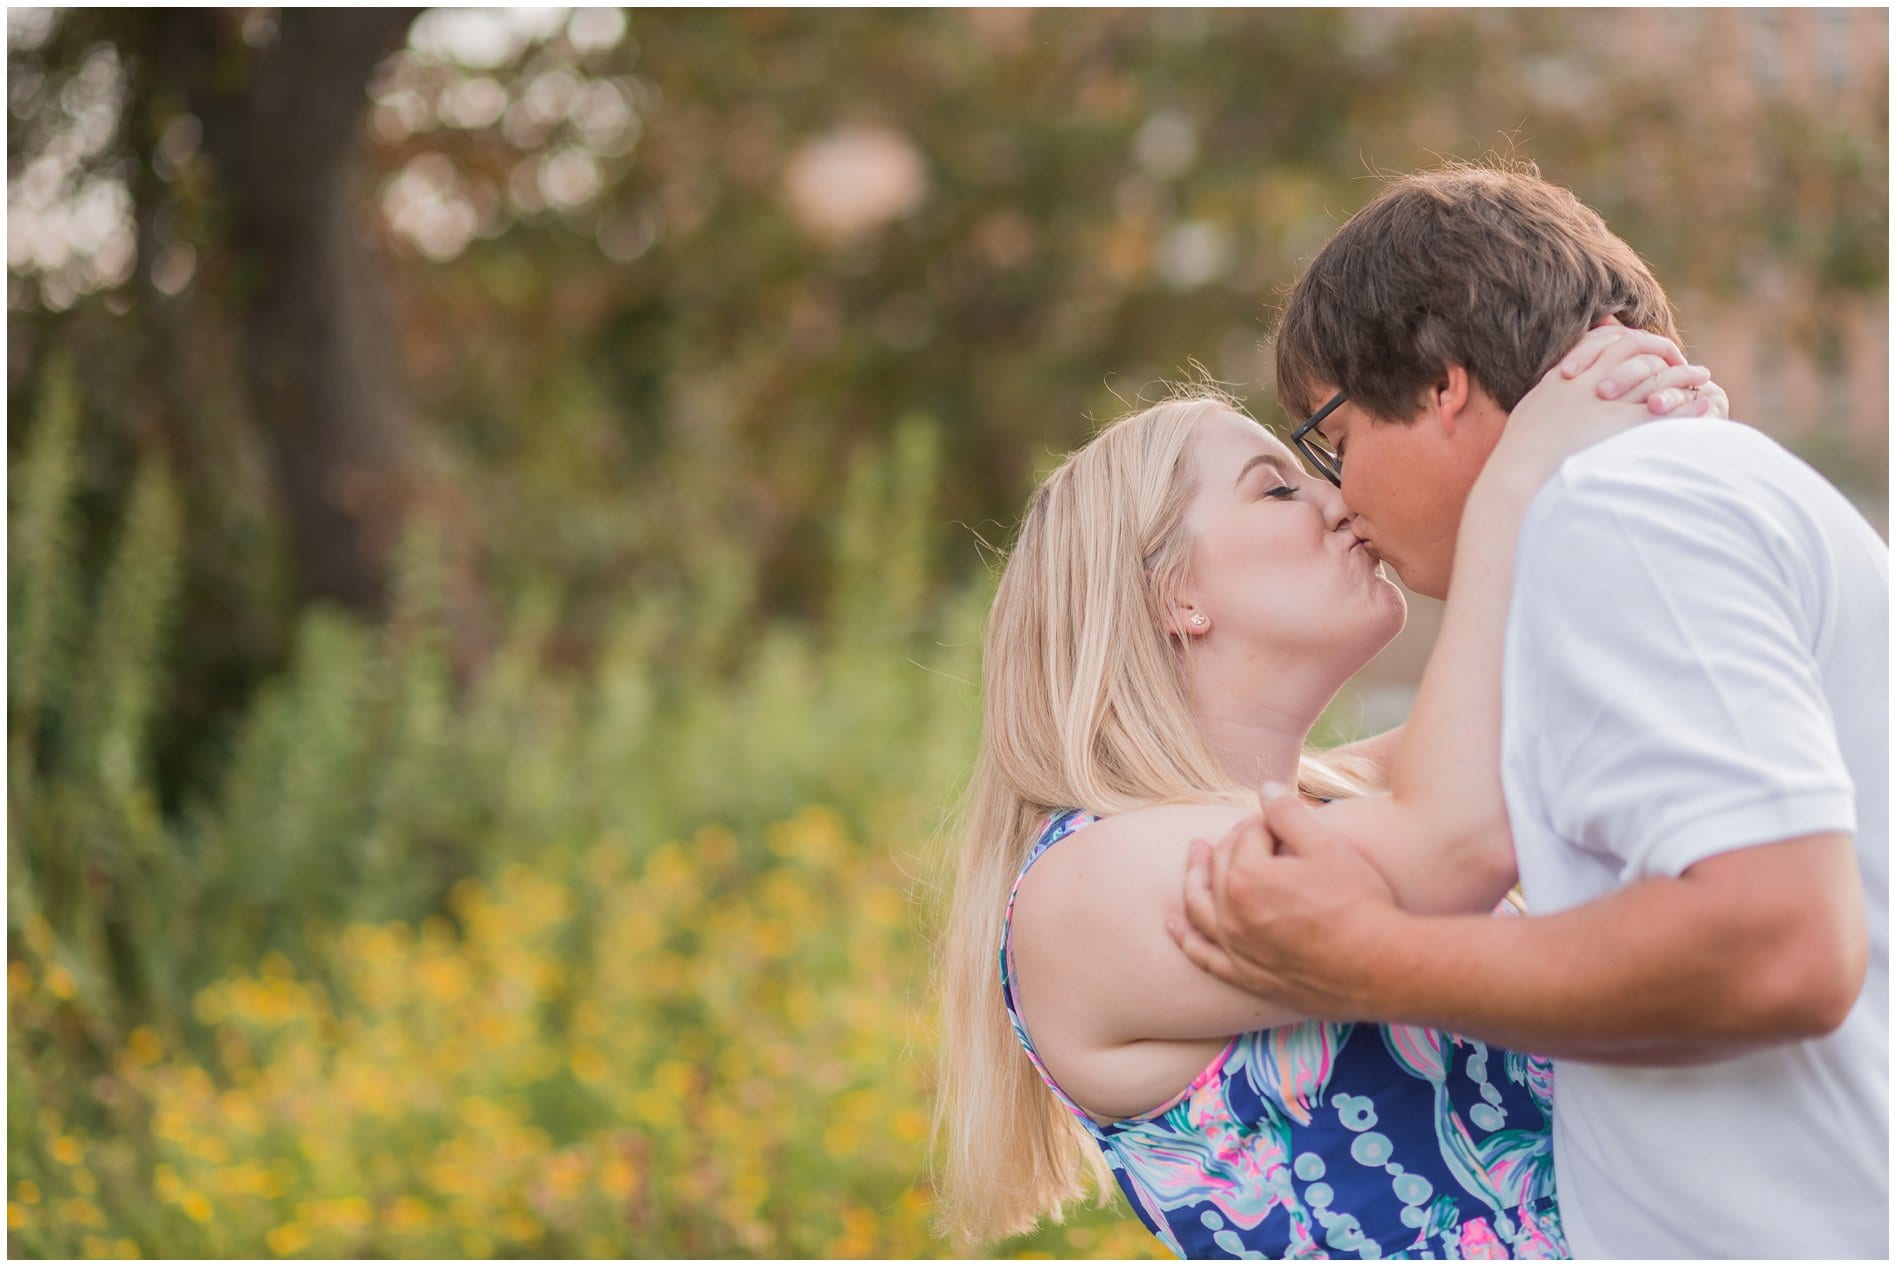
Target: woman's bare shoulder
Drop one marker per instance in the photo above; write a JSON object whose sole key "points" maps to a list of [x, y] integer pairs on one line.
{"points": [[1089, 922], [1112, 858]]}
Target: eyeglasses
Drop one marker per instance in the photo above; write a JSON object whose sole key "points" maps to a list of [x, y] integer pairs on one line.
{"points": [[1316, 450]]}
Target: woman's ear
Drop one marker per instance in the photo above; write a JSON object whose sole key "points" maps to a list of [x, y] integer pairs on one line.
{"points": [[1186, 621]]}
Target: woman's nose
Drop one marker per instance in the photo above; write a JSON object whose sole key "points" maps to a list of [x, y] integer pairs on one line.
{"points": [[1336, 512]]}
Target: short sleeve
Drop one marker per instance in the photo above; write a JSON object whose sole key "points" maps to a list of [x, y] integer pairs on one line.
{"points": [[1677, 705]]}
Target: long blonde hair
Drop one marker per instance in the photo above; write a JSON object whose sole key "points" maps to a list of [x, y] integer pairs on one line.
{"points": [[1084, 705]]}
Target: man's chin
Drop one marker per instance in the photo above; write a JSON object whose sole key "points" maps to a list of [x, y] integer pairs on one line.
{"points": [[1417, 581]]}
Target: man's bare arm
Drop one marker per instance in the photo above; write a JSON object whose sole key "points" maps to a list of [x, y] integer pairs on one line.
{"points": [[1757, 945]]}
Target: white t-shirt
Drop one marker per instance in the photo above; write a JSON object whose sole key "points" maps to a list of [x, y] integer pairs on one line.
{"points": [[1696, 662]]}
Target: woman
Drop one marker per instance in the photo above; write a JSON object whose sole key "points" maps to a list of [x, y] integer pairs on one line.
{"points": [[1114, 712]]}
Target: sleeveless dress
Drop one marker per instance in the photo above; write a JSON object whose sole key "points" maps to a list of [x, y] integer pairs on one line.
{"points": [[1320, 1139]]}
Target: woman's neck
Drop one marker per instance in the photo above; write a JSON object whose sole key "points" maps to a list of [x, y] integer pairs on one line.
{"points": [[1255, 744]]}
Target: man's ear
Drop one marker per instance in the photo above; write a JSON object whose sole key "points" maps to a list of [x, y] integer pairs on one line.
{"points": [[1451, 396]]}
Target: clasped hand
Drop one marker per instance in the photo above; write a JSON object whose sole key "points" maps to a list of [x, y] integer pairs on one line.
{"points": [[1283, 908]]}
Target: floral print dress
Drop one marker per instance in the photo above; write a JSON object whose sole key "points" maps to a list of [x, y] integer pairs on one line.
{"points": [[1322, 1140]]}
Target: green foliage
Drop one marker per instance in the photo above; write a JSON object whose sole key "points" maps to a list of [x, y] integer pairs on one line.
{"points": [[661, 387], [360, 785], [658, 840], [42, 571], [115, 700], [85, 834]]}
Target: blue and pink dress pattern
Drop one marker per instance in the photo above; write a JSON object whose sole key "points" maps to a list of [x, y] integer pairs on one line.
{"points": [[1322, 1140]]}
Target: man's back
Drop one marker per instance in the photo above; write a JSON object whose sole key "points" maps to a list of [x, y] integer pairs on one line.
{"points": [[1697, 662]]}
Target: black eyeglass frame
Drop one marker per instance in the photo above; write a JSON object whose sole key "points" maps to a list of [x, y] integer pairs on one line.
{"points": [[1317, 452]]}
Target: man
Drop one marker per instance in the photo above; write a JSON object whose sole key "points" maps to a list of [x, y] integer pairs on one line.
{"points": [[1694, 750]]}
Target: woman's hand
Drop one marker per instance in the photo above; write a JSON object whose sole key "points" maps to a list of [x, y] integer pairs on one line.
{"points": [[1612, 379], [1670, 387]]}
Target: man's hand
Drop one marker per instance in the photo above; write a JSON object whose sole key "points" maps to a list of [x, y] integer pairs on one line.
{"points": [[1284, 909]]}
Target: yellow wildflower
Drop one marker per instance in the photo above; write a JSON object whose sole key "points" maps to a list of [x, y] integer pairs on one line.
{"points": [[405, 1214], [59, 983], [670, 868], [65, 1150], [675, 1078], [210, 1006], [27, 1191], [858, 1238], [240, 1111], [588, 1065], [909, 1125], [771, 938], [171, 1126], [788, 892], [196, 1207], [19, 978], [123, 1248], [841, 1139], [445, 980], [750, 1189], [566, 1175], [81, 1211], [95, 1247], [244, 1179], [38, 934], [715, 845], [165, 1182], [352, 1213], [16, 1216], [884, 907], [144, 1045], [287, 1239], [277, 1182], [616, 1177]]}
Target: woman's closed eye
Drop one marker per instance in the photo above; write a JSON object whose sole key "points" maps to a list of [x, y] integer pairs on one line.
{"points": [[1280, 490]]}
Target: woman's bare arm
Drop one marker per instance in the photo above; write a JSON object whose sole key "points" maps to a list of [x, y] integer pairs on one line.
{"points": [[1378, 750], [1440, 836]]}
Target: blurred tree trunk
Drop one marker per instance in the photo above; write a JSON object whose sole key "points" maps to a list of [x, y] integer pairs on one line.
{"points": [[316, 340]]}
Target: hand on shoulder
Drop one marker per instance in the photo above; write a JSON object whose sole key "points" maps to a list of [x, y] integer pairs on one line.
{"points": [[1090, 941]]}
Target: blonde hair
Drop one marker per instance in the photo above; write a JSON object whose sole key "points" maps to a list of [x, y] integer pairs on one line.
{"points": [[1084, 706]]}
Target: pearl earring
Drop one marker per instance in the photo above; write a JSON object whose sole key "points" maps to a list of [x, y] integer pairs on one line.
{"points": [[1200, 619]]}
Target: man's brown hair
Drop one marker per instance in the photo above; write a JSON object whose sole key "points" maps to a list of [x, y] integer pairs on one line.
{"points": [[1492, 268]]}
